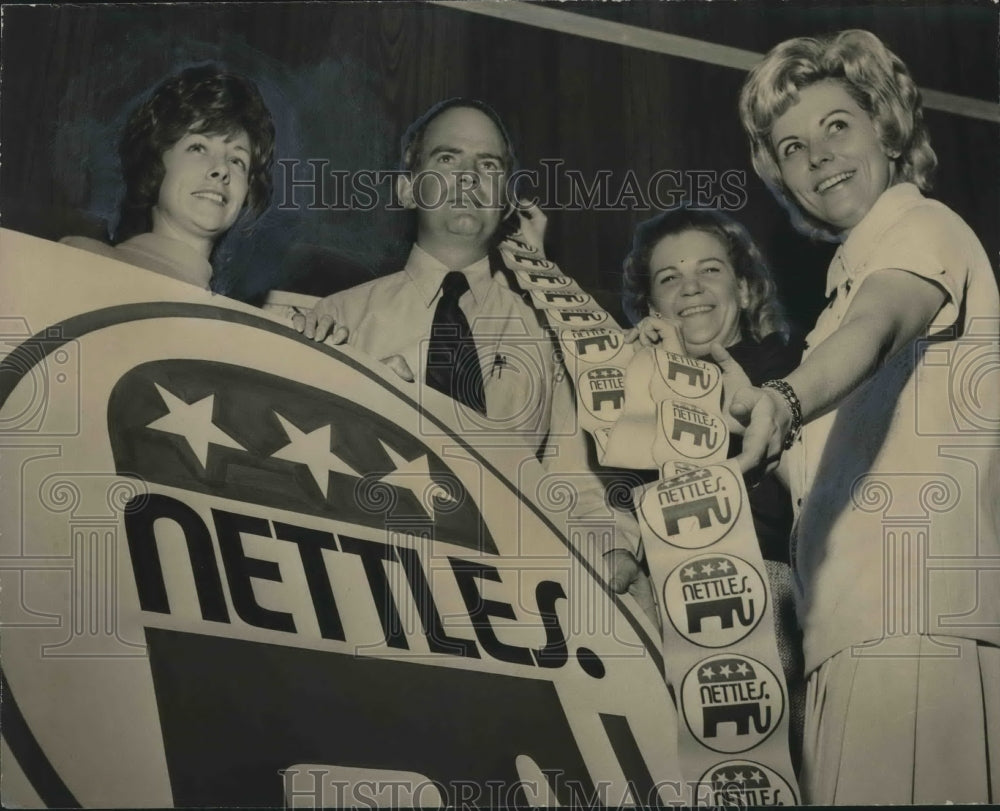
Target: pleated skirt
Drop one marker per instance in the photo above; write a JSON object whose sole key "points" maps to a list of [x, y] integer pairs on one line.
{"points": [[909, 720]]}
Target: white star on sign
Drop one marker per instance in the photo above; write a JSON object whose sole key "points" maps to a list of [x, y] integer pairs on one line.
{"points": [[724, 566], [313, 451], [742, 669], [756, 776], [415, 476], [707, 673], [726, 671], [193, 422]]}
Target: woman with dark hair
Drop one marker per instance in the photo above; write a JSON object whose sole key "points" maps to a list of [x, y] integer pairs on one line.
{"points": [[754, 310], [195, 156], [700, 273], [903, 699]]}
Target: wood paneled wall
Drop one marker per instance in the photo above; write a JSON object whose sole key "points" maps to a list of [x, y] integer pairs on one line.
{"points": [[344, 80]]}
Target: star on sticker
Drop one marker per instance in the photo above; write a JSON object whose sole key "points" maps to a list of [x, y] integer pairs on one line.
{"points": [[724, 566], [415, 476], [313, 451], [706, 568], [726, 671], [742, 669], [756, 776], [690, 572], [193, 421], [739, 777], [707, 673]]}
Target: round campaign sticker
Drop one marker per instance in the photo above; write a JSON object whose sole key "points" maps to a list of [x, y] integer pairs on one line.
{"points": [[690, 430], [695, 509], [580, 318], [731, 703], [543, 279], [532, 263], [714, 600], [562, 300], [602, 392], [518, 245], [686, 377], [594, 345], [743, 784]]}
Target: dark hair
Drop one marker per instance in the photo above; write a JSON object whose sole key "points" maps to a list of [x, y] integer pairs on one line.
{"points": [[200, 99], [412, 143], [764, 313], [875, 78]]}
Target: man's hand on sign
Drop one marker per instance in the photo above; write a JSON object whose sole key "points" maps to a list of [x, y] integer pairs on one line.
{"points": [[399, 365], [321, 321], [624, 574]]}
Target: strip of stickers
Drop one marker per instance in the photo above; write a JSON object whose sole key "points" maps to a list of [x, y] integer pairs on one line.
{"points": [[658, 410]]}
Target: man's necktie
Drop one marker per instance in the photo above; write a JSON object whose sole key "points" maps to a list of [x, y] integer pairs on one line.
{"points": [[452, 360]]}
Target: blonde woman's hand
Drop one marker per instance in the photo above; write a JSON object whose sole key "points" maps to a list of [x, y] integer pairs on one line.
{"points": [[767, 418], [734, 381]]}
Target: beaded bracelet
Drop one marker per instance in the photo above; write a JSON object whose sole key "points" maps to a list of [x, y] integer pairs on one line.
{"points": [[790, 397]]}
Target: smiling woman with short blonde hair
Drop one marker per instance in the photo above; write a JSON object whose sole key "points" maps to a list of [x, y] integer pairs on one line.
{"points": [[903, 702]]}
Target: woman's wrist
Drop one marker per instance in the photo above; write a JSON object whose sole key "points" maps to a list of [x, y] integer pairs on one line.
{"points": [[785, 394]]}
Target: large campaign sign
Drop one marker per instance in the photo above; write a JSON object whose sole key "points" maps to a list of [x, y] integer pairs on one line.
{"points": [[242, 568]]}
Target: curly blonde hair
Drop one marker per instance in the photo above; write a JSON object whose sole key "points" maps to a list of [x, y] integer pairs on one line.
{"points": [[875, 78]]}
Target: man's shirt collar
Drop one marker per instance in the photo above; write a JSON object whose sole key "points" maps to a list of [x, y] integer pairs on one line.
{"points": [[427, 274]]}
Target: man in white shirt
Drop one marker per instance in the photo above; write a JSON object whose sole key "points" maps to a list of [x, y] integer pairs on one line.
{"points": [[456, 160]]}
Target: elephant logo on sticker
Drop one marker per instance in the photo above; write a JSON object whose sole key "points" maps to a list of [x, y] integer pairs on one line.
{"points": [[596, 345], [731, 703], [714, 600], [686, 377], [743, 784], [695, 509], [692, 431], [519, 245], [580, 317], [602, 392], [563, 300], [551, 279], [532, 263]]}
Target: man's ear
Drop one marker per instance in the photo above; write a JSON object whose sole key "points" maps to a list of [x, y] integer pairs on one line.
{"points": [[404, 190]]}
